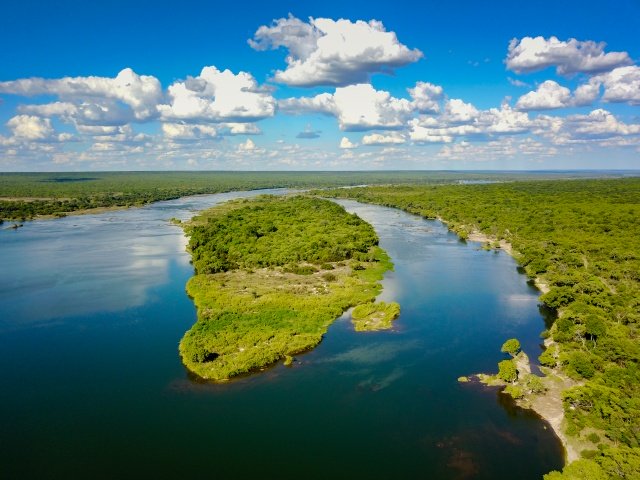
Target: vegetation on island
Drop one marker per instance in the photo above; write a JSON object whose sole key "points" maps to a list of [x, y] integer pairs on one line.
{"points": [[581, 239], [374, 316], [271, 275]]}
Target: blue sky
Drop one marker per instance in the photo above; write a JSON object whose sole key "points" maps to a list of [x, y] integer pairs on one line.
{"points": [[319, 85]]}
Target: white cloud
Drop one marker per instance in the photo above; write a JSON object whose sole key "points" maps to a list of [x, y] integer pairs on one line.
{"points": [[530, 54], [502, 148], [30, 127], [429, 130], [426, 97], [235, 128], [586, 94], [357, 107], [181, 131], [346, 144], [376, 139], [622, 85], [599, 124], [322, 103], [361, 107], [548, 95], [332, 52], [140, 92], [504, 120], [218, 96], [247, 146], [457, 111]]}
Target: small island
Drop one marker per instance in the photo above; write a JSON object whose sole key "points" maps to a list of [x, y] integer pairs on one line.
{"points": [[374, 316], [271, 275]]}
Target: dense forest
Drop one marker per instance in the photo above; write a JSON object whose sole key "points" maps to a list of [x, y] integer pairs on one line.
{"points": [[27, 195], [581, 238], [271, 275]]}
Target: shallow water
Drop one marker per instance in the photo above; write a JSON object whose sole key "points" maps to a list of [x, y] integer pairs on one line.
{"points": [[92, 309]]}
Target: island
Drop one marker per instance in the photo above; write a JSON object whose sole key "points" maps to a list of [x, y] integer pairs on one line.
{"points": [[271, 275]]}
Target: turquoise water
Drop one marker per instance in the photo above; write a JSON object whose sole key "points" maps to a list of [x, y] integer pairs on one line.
{"points": [[92, 309]]}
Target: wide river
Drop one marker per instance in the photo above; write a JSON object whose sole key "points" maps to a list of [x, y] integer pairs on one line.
{"points": [[92, 309]]}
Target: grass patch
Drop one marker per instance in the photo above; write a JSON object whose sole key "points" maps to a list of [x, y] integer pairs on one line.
{"points": [[374, 316]]}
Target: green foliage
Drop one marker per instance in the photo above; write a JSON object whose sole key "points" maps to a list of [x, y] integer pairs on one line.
{"points": [[507, 371], [533, 384], [582, 238], [549, 358], [620, 462], [511, 346], [579, 470], [516, 391], [374, 316], [277, 231], [580, 363], [252, 317]]}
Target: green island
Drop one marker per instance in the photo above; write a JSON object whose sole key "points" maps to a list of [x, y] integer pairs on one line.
{"points": [[271, 275], [374, 316], [579, 240]]}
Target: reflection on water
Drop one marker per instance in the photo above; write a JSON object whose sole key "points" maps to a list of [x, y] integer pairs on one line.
{"points": [[79, 265]]}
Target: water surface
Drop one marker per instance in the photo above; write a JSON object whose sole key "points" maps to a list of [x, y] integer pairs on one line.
{"points": [[92, 309]]}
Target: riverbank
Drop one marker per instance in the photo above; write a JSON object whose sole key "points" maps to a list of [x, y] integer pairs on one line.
{"points": [[547, 404]]}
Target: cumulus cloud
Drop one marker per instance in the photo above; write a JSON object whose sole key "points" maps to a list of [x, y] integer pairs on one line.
{"points": [[235, 128], [548, 95], [598, 124], [346, 144], [141, 93], [357, 107], [182, 131], [30, 127], [621, 85], [332, 52], [376, 139], [457, 111], [218, 96], [247, 146], [504, 120], [531, 54], [426, 97]]}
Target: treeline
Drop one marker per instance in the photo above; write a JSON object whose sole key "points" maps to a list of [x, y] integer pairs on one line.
{"points": [[27, 195], [582, 238]]}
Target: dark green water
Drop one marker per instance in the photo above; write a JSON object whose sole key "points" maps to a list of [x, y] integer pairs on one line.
{"points": [[92, 309]]}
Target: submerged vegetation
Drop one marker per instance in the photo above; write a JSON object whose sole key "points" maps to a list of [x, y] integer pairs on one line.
{"points": [[271, 275], [581, 239]]}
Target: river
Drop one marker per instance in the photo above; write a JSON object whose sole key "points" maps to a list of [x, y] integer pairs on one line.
{"points": [[92, 309]]}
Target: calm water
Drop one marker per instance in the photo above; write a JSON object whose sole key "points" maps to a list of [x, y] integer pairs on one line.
{"points": [[92, 309]]}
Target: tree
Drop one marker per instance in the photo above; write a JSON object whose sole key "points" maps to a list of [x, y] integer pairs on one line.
{"points": [[511, 346], [582, 469], [595, 327], [507, 371]]}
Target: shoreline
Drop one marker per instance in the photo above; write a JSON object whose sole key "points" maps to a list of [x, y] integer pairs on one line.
{"points": [[549, 405]]}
